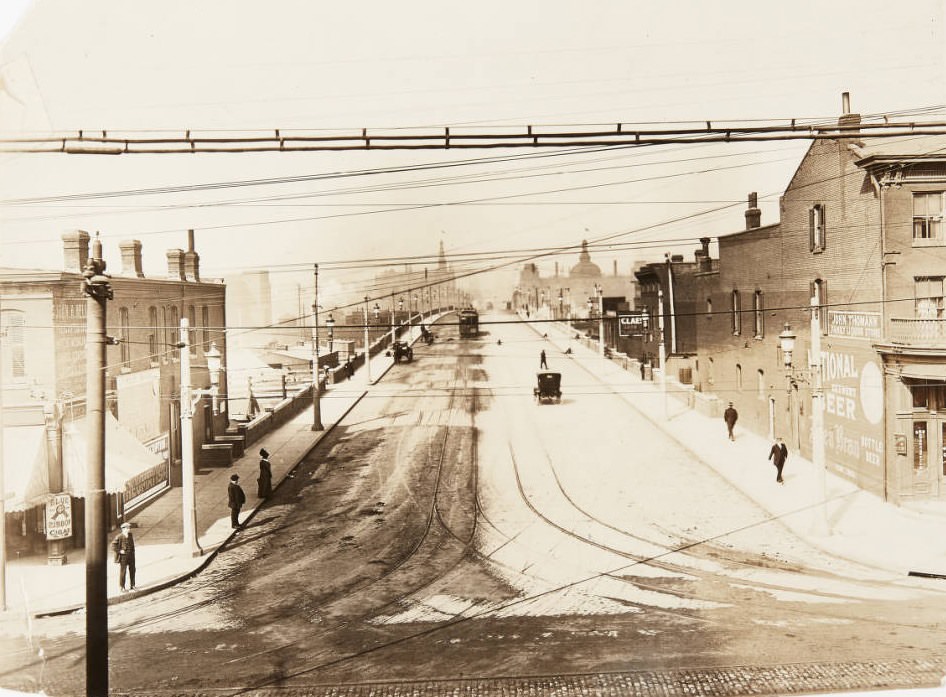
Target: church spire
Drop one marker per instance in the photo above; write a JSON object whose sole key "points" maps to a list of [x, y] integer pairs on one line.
{"points": [[442, 258]]}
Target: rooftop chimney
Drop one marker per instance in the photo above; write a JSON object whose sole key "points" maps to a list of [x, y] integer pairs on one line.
{"points": [[191, 260], [706, 264], [847, 118], [131, 258], [176, 264], [753, 214], [75, 249]]}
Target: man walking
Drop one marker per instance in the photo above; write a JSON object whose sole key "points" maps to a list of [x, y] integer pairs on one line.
{"points": [[778, 454], [730, 416], [542, 362], [235, 500], [124, 548]]}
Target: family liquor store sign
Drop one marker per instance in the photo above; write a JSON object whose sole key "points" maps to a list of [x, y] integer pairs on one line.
{"points": [[854, 325]]}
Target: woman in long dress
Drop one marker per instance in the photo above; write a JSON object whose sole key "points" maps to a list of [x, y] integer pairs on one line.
{"points": [[265, 481]]}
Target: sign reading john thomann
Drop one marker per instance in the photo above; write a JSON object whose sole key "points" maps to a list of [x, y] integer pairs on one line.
{"points": [[854, 325], [854, 412]]}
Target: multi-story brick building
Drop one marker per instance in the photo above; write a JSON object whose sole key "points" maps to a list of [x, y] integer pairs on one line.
{"points": [[44, 365], [861, 238]]}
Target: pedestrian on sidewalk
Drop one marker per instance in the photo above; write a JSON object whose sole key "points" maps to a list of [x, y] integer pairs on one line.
{"points": [[235, 500], [265, 482], [778, 455], [349, 368], [124, 548], [542, 362], [730, 416]]}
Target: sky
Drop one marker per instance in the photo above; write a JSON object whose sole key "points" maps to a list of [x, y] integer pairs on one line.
{"points": [[229, 65]]}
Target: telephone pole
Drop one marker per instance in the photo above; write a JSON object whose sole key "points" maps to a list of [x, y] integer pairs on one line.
{"points": [[316, 398], [98, 291]]}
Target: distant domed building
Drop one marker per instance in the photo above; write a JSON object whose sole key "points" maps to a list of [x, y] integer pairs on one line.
{"points": [[585, 268]]}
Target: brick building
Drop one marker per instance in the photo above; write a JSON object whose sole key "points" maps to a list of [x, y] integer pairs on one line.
{"points": [[44, 378]]}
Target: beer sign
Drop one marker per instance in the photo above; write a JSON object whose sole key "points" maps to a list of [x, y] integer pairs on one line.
{"points": [[633, 324]]}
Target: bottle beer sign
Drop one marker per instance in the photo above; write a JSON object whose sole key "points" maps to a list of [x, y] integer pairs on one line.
{"points": [[58, 517]]}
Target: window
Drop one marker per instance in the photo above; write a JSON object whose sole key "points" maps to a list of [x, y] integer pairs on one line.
{"points": [[709, 308], [761, 384], [736, 313], [758, 314], [175, 325], [192, 334], [165, 334], [928, 216], [928, 291], [710, 377], [920, 446], [738, 377], [205, 325], [14, 358], [819, 291], [123, 336], [816, 228], [153, 334]]}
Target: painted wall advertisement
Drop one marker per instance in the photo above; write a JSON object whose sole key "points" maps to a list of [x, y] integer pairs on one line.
{"points": [[854, 409]]}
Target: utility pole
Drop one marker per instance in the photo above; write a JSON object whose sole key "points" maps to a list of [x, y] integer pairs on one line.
{"points": [[367, 348], [600, 293], [817, 416], [98, 291], [316, 397], [661, 348], [191, 545]]}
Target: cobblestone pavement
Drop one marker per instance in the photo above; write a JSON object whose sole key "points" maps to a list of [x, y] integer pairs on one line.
{"points": [[803, 678]]}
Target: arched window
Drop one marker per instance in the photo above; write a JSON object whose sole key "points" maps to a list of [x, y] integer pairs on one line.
{"points": [[709, 308], [192, 334], [205, 325], [761, 385], [738, 377], [175, 329], [819, 291], [710, 366]]}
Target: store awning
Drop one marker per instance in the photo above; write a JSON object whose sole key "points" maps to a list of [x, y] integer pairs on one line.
{"points": [[125, 456], [25, 479], [924, 371]]}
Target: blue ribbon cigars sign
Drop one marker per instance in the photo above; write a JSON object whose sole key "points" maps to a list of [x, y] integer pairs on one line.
{"points": [[58, 517]]}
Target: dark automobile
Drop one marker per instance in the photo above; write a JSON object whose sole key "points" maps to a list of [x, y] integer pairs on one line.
{"points": [[548, 387]]}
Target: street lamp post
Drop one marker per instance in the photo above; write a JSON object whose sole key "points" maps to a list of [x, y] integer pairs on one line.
{"points": [[600, 293], [316, 397], [814, 374]]}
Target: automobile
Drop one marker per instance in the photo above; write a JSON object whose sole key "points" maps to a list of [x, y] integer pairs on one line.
{"points": [[548, 387], [401, 350]]}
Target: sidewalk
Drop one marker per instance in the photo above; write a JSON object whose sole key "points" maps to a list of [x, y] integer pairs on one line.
{"points": [[852, 524], [33, 588]]}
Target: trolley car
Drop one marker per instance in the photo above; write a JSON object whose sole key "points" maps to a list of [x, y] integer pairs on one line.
{"points": [[469, 322]]}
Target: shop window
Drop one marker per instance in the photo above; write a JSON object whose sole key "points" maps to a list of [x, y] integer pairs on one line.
{"points": [[928, 217], [921, 454], [928, 291], [816, 228], [736, 309]]}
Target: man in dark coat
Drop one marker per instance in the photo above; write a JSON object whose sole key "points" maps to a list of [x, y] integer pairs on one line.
{"points": [[235, 500], [730, 416], [265, 481], [542, 362], [123, 547], [778, 454]]}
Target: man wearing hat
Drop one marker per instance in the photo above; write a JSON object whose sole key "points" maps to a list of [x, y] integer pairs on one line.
{"points": [[235, 500], [730, 416], [124, 548]]}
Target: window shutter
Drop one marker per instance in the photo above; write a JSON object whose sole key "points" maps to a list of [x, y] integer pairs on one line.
{"points": [[824, 227], [811, 229]]}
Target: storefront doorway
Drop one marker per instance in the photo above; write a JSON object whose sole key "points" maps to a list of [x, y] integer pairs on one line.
{"points": [[928, 436]]}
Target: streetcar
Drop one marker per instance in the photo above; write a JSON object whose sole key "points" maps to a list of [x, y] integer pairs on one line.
{"points": [[469, 322]]}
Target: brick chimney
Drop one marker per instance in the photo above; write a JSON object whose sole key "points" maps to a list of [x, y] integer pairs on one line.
{"points": [[176, 264], [847, 118], [191, 260], [75, 249], [706, 263], [131, 258], [753, 214]]}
